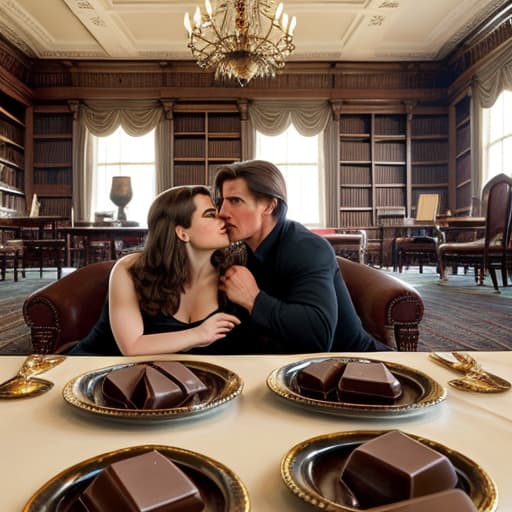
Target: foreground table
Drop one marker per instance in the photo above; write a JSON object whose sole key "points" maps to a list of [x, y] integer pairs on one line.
{"points": [[41, 436]]}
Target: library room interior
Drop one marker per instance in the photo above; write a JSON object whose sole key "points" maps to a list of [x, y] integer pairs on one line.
{"points": [[283, 214]]}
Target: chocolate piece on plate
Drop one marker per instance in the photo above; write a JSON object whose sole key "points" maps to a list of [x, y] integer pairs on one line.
{"points": [[148, 482], [189, 382], [367, 381], [320, 379], [453, 500], [394, 467], [157, 391], [119, 386]]}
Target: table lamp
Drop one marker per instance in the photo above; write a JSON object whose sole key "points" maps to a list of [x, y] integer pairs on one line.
{"points": [[121, 194]]}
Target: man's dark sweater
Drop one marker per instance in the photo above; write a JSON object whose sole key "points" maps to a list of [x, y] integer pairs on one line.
{"points": [[304, 304]]}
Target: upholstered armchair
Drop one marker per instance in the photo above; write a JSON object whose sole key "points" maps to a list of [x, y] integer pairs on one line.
{"points": [[64, 311]]}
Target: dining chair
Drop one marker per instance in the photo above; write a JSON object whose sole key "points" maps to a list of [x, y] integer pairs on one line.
{"points": [[491, 252], [420, 248]]}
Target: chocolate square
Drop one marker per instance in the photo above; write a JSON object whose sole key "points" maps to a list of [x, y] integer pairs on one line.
{"points": [[368, 381], [320, 379], [394, 467], [148, 482]]}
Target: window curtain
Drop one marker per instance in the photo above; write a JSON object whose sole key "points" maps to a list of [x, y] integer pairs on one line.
{"points": [[309, 118], [102, 118], [490, 80]]}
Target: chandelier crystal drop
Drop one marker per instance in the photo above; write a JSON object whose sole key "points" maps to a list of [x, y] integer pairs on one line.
{"points": [[240, 39]]}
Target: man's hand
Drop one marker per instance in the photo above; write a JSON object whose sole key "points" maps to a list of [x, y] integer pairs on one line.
{"points": [[240, 286]]}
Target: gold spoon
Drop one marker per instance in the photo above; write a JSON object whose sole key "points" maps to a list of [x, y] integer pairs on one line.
{"points": [[23, 384]]}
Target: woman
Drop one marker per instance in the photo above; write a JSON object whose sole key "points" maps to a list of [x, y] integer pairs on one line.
{"points": [[165, 299]]}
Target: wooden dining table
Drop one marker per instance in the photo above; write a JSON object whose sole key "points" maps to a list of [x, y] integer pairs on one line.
{"points": [[44, 435]]}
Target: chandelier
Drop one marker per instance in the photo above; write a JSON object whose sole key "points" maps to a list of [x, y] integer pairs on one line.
{"points": [[241, 39]]}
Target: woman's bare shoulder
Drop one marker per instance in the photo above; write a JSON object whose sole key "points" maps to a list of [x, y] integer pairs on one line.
{"points": [[124, 263]]}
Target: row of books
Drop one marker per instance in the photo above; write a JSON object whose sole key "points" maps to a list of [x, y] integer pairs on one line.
{"points": [[224, 148], [354, 151], [463, 138], [12, 132], [463, 168], [429, 125], [12, 201], [52, 124], [390, 174], [55, 206], [390, 152], [10, 176], [212, 122], [53, 151], [355, 124], [53, 176], [389, 196], [389, 124], [426, 151], [430, 174], [355, 174], [359, 218], [355, 197], [11, 154]]}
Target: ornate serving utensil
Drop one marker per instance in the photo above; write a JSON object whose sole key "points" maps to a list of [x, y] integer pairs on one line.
{"points": [[475, 377], [24, 384]]}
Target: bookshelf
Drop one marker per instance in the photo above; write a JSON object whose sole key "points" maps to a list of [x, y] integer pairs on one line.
{"points": [[356, 173], [390, 162], [52, 173], [387, 159], [372, 165], [204, 138], [12, 157], [429, 157], [463, 156]]}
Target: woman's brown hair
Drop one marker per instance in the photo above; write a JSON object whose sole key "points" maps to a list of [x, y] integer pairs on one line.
{"points": [[163, 269]]}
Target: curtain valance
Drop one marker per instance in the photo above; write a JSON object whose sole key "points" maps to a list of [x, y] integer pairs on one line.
{"points": [[137, 117], [274, 117], [493, 78]]}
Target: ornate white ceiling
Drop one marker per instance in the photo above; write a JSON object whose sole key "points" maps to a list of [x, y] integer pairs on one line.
{"points": [[328, 30]]}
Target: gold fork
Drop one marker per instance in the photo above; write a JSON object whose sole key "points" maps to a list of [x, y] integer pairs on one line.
{"points": [[475, 378]]}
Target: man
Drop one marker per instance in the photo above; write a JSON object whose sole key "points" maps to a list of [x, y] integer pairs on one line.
{"points": [[292, 288]]}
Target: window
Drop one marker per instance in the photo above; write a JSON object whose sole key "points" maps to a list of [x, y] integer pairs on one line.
{"points": [[120, 154], [497, 137], [298, 158]]}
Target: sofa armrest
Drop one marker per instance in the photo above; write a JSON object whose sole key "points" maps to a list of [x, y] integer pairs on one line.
{"points": [[389, 308], [67, 309]]}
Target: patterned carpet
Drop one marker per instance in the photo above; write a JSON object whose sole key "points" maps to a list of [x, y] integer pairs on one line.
{"points": [[458, 314], [14, 334]]}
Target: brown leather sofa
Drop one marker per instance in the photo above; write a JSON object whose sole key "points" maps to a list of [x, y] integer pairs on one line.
{"points": [[65, 311]]}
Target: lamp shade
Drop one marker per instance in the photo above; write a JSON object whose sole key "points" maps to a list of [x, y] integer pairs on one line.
{"points": [[121, 194]]}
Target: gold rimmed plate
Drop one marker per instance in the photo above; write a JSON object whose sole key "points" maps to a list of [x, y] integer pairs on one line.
{"points": [[420, 392], [311, 470], [220, 487], [85, 393]]}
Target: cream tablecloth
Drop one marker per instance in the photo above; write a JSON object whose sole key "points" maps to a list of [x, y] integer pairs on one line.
{"points": [[42, 436]]}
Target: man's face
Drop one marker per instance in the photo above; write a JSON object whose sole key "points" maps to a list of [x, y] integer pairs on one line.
{"points": [[246, 216]]}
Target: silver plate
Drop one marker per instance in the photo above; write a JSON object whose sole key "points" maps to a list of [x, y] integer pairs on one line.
{"points": [[84, 393], [420, 392], [221, 488], [312, 468]]}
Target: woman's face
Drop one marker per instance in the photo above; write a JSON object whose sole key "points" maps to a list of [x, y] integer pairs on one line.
{"points": [[207, 230]]}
